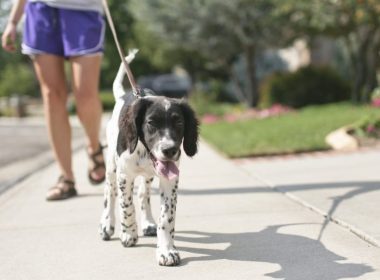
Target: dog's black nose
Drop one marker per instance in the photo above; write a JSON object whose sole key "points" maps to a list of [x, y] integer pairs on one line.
{"points": [[169, 152]]}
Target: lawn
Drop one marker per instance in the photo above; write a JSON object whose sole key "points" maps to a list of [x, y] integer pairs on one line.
{"points": [[301, 131]]}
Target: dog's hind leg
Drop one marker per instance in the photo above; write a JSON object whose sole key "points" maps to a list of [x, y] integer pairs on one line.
{"points": [[107, 223], [148, 225], [128, 225]]}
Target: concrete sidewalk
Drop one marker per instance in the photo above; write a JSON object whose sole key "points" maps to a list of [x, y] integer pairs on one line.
{"points": [[229, 226], [344, 187]]}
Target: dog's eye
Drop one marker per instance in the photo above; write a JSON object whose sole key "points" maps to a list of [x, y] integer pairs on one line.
{"points": [[177, 120], [151, 123], [152, 126]]}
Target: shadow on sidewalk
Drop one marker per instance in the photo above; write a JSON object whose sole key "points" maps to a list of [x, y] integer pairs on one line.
{"points": [[355, 189], [299, 257]]}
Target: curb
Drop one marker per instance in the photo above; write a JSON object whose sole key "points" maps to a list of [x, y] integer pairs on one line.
{"points": [[34, 164], [30, 166]]}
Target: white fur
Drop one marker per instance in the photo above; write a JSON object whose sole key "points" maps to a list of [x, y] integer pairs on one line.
{"points": [[166, 105], [120, 176]]}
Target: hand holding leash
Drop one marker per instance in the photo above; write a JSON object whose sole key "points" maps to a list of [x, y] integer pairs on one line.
{"points": [[8, 40]]}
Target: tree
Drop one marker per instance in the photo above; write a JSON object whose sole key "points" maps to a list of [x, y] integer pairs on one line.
{"points": [[219, 30], [357, 24]]}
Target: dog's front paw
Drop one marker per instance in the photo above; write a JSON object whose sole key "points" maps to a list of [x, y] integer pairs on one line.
{"points": [[106, 231], [128, 239], [150, 230], [168, 257]]}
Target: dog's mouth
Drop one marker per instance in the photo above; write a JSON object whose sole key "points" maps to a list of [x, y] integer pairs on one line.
{"points": [[167, 169]]}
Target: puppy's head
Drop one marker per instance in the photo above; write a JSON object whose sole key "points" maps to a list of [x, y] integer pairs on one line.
{"points": [[162, 125]]}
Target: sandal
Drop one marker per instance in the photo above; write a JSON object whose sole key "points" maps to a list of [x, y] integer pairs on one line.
{"points": [[63, 189], [96, 162]]}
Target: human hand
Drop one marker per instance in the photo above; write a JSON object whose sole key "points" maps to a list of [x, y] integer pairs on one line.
{"points": [[8, 39]]}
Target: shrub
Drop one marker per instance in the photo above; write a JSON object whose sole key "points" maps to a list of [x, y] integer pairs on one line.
{"points": [[206, 104], [106, 98], [18, 79], [307, 86], [368, 126], [375, 97]]}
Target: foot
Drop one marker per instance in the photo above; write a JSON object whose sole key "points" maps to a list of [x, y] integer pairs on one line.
{"points": [[150, 230], [63, 189], [128, 239], [106, 232], [96, 169], [107, 225], [168, 257]]}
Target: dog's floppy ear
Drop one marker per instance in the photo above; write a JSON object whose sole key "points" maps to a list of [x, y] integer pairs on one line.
{"points": [[130, 125], [190, 137]]}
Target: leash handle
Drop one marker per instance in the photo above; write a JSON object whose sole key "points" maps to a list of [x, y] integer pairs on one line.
{"points": [[135, 88]]}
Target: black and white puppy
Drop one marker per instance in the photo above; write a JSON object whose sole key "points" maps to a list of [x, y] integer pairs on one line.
{"points": [[144, 139]]}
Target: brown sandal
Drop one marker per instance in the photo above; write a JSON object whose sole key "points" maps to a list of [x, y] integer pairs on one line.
{"points": [[63, 189], [96, 164]]}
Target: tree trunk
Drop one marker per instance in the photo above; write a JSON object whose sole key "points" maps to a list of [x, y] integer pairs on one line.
{"points": [[252, 91], [237, 86], [373, 59], [362, 67]]}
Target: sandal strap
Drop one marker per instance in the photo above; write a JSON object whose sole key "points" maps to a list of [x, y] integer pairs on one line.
{"points": [[61, 192], [97, 163], [98, 152], [62, 179]]}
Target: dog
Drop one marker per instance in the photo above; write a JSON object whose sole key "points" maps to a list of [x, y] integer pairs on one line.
{"points": [[144, 138]]}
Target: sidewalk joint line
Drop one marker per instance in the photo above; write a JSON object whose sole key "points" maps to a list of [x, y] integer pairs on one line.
{"points": [[359, 233]]}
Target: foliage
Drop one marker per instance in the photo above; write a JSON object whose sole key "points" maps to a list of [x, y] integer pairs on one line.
{"points": [[208, 37], [203, 107], [106, 98], [111, 59], [367, 127], [218, 30], [210, 98], [18, 79], [375, 97], [298, 132], [356, 23], [307, 86]]}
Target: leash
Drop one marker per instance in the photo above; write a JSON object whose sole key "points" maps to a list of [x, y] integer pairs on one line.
{"points": [[135, 88]]}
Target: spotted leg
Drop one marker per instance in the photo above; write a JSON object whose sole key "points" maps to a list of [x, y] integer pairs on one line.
{"points": [[148, 225], [166, 253], [107, 222], [128, 226]]}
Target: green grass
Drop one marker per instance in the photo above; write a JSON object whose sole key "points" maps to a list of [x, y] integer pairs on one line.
{"points": [[301, 131]]}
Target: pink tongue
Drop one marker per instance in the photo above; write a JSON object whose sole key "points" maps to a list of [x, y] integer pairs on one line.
{"points": [[167, 169]]}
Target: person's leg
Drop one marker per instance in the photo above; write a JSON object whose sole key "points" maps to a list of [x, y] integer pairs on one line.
{"points": [[51, 76], [85, 83]]}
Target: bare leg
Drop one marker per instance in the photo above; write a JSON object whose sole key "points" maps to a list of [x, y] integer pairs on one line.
{"points": [[85, 82], [51, 76]]}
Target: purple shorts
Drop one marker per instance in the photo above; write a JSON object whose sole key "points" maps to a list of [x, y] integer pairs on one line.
{"points": [[62, 32]]}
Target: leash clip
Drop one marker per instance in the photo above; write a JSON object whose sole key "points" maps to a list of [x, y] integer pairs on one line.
{"points": [[138, 92]]}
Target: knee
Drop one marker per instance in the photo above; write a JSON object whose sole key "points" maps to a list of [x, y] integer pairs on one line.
{"points": [[88, 98], [54, 97]]}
